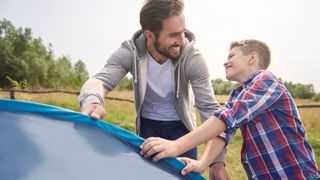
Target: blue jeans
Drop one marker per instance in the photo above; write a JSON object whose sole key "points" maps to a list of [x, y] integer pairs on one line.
{"points": [[170, 130]]}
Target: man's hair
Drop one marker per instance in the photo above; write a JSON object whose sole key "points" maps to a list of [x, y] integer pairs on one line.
{"points": [[250, 45], [154, 12]]}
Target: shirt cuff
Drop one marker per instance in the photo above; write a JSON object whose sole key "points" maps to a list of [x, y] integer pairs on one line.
{"points": [[90, 99], [224, 116]]}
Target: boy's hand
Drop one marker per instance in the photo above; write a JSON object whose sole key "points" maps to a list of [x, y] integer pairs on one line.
{"points": [[192, 165], [164, 148]]}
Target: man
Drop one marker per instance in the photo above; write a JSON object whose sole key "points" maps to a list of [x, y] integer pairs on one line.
{"points": [[165, 65], [274, 141]]}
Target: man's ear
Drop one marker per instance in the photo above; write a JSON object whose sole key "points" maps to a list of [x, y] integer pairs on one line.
{"points": [[149, 35]]}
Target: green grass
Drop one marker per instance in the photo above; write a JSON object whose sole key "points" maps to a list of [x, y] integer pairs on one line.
{"points": [[122, 114]]}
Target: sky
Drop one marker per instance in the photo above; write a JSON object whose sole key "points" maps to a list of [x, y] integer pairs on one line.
{"points": [[91, 30]]}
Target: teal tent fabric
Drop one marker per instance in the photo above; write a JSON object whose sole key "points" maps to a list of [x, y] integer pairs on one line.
{"points": [[43, 142]]}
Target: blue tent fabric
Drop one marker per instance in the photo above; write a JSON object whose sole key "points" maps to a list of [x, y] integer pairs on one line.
{"points": [[40, 141]]}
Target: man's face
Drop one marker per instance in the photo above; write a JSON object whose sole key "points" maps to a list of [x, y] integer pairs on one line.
{"points": [[171, 39]]}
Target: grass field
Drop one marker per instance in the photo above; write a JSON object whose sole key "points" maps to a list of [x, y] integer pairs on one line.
{"points": [[122, 114]]}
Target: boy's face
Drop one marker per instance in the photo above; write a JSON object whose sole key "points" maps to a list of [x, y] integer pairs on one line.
{"points": [[237, 65], [171, 38]]}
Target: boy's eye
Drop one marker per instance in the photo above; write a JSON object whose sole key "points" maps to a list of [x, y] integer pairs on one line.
{"points": [[230, 56]]}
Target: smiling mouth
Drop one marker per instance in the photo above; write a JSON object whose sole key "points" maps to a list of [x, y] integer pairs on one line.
{"points": [[175, 48]]}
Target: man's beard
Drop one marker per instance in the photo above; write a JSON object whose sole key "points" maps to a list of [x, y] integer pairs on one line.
{"points": [[164, 52]]}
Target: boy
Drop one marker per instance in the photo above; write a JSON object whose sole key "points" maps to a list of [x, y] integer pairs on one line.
{"points": [[274, 141]]}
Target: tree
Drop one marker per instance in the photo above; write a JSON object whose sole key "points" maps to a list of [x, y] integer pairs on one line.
{"points": [[303, 91], [25, 60], [125, 84], [316, 97], [12, 44], [223, 87], [80, 73]]}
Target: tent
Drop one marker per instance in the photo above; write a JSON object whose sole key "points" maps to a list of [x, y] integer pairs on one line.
{"points": [[43, 142]]}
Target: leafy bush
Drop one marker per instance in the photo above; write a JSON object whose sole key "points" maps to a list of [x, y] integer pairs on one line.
{"points": [[316, 97]]}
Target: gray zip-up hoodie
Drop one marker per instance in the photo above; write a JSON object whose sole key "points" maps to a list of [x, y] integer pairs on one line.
{"points": [[191, 79]]}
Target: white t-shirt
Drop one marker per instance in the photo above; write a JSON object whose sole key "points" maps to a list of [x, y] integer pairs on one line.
{"points": [[158, 100]]}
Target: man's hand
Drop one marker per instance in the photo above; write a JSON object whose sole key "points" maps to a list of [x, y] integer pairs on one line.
{"points": [[164, 148], [95, 111], [192, 165]]}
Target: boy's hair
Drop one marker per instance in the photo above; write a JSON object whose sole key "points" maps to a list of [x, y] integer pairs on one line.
{"points": [[251, 45], [154, 12]]}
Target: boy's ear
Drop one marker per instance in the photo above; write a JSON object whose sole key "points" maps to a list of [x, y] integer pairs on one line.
{"points": [[254, 57]]}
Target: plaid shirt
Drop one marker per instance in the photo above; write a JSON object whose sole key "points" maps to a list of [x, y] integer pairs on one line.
{"points": [[274, 142]]}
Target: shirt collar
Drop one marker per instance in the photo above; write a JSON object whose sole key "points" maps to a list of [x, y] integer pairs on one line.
{"points": [[251, 78]]}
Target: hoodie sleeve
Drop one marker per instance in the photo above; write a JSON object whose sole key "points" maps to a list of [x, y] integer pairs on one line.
{"points": [[200, 81], [117, 66]]}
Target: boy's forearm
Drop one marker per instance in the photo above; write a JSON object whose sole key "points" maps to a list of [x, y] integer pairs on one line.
{"points": [[206, 131], [212, 150]]}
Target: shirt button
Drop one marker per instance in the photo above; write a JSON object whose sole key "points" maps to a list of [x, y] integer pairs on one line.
{"points": [[253, 176], [246, 162]]}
